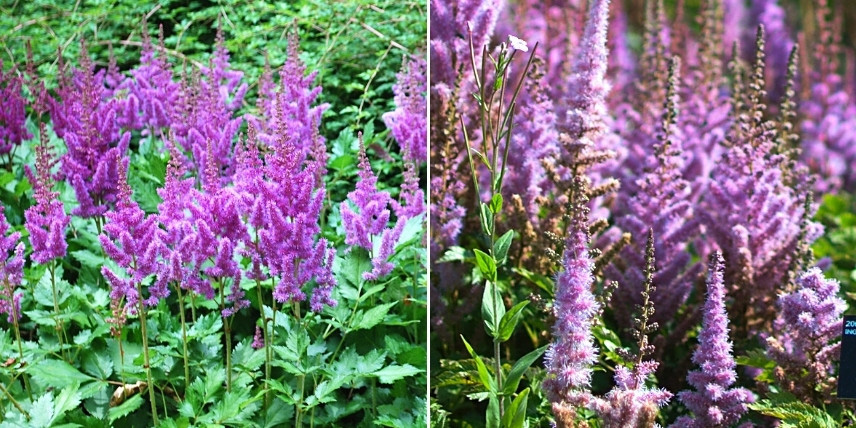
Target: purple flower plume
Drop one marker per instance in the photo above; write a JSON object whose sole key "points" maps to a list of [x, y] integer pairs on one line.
{"points": [[714, 402], [46, 221], [13, 115], [408, 122], [132, 239], [570, 357], [808, 345], [11, 270], [362, 227], [152, 92]]}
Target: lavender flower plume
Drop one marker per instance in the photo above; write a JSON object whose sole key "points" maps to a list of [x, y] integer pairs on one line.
{"points": [[808, 345], [258, 339], [407, 123], [714, 402], [13, 115], [11, 270], [132, 239], [46, 221], [570, 357], [659, 198], [411, 199], [361, 228], [152, 92], [86, 121], [630, 403]]}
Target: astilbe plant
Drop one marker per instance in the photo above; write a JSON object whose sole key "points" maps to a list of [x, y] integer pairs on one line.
{"points": [[661, 200], [13, 114], [369, 224], [805, 352], [46, 221], [151, 93], [715, 402]]}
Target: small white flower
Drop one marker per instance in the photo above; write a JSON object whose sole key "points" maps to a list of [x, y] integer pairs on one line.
{"points": [[517, 43]]}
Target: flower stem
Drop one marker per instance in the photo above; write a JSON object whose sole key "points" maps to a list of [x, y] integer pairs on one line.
{"points": [[147, 365], [266, 344], [60, 327], [183, 337], [14, 403]]}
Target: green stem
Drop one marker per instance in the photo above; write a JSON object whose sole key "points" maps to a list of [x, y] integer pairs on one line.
{"points": [[266, 344], [183, 337], [228, 332], [60, 327], [147, 365], [298, 419], [14, 403]]}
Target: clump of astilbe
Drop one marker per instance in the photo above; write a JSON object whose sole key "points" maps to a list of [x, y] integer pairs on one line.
{"points": [[661, 201], [370, 223], [46, 221], [132, 239], [630, 403], [86, 121], [808, 345], [292, 105], [13, 115], [407, 123], [828, 112], [714, 402], [152, 92], [749, 212], [283, 206]]}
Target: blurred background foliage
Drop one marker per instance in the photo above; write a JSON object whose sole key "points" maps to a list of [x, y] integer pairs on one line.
{"points": [[356, 46]]}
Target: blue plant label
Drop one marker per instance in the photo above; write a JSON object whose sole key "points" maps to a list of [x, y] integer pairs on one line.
{"points": [[847, 372]]}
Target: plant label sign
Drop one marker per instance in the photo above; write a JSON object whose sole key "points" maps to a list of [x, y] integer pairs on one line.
{"points": [[847, 372]]}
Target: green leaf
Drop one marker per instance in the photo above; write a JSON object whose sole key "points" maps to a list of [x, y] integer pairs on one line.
{"points": [[492, 416], [126, 408], [496, 203], [486, 265], [484, 376], [68, 399], [486, 218], [394, 372], [373, 316], [509, 321], [500, 248], [515, 416], [519, 368], [42, 412], [88, 258], [454, 254], [58, 373], [493, 308]]}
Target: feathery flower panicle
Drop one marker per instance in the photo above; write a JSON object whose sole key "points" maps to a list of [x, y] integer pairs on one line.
{"points": [[258, 339], [13, 114], [11, 270], [407, 123], [221, 78], [132, 239], [714, 402], [370, 223], [152, 92], [570, 357], [808, 347], [411, 200], [660, 199], [282, 205], [778, 40], [750, 212], [86, 120], [46, 221]]}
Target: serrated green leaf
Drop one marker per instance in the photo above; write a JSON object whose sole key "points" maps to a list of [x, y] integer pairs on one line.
{"points": [[126, 408], [57, 373], [373, 316], [42, 412], [394, 372], [453, 254]]}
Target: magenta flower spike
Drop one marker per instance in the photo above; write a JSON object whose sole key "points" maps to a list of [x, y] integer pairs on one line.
{"points": [[362, 227], [132, 239], [570, 357], [13, 114], [46, 221], [408, 122], [714, 402], [11, 270]]}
